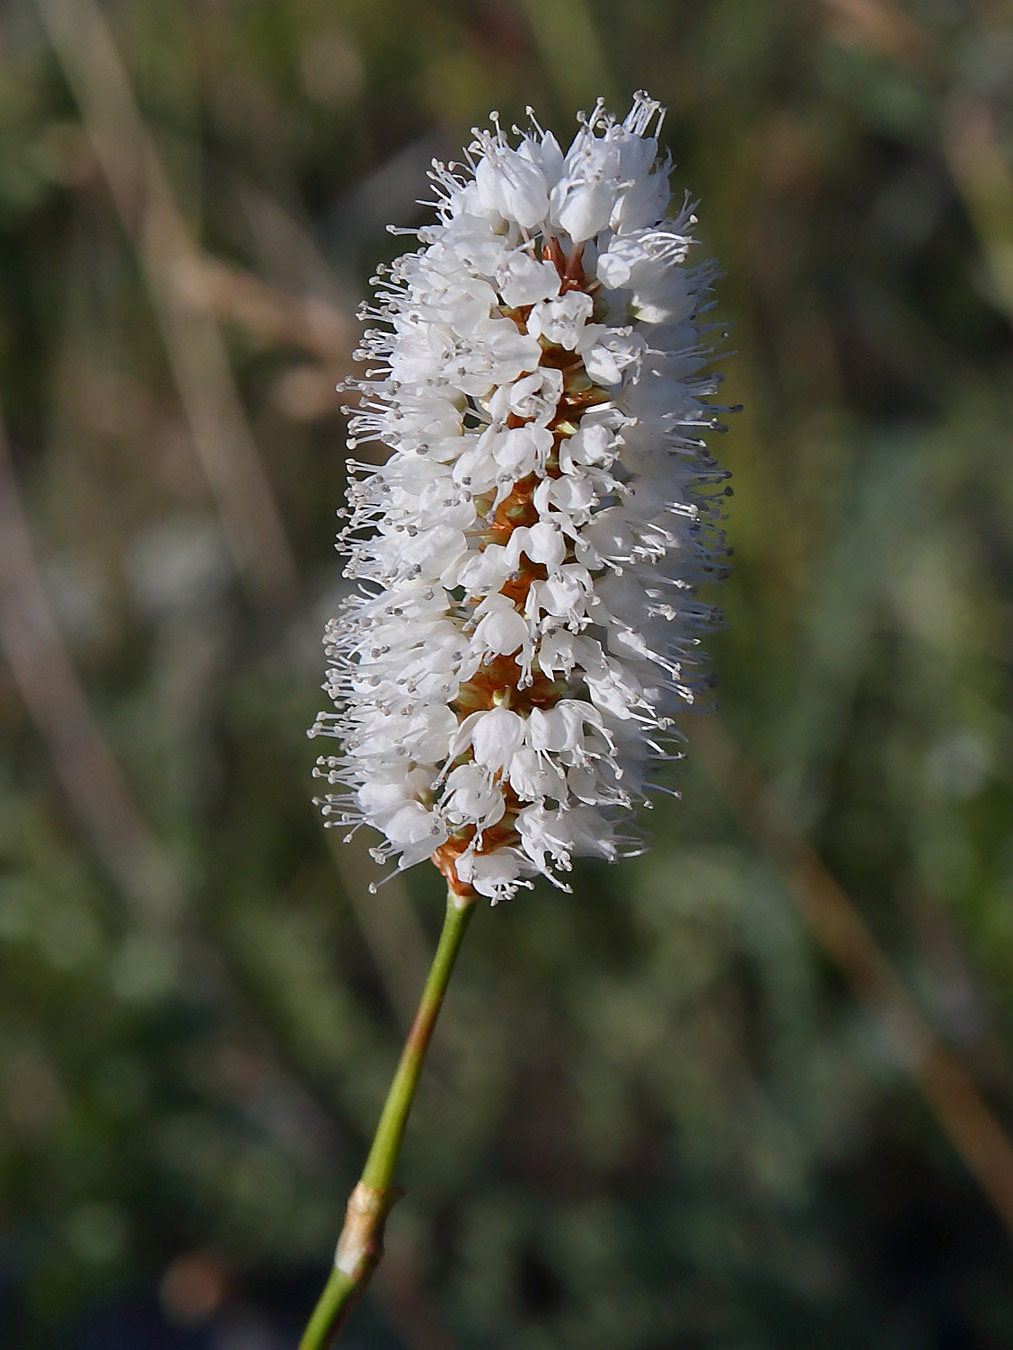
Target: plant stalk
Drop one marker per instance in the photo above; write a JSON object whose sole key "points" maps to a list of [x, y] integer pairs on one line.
{"points": [[360, 1247]]}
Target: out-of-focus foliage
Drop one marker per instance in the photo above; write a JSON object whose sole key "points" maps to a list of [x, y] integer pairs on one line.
{"points": [[655, 1115]]}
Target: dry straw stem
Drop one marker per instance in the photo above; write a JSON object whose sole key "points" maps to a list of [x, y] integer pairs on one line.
{"points": [[984, 177], [160, 233], [88, 772], [269, 315], [879, 26], [47, 682], [101, 796], [943, 1081], [188, 290]]}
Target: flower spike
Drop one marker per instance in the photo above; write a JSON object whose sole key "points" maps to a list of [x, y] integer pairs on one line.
{"points": [[506, 673]]}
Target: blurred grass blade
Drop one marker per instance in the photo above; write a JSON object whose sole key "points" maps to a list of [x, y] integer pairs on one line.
{"points": [[162, 237], [573, 55], [948, 1089]]}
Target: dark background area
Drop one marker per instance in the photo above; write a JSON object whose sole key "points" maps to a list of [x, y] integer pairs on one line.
{"points": [[751, 1090]]}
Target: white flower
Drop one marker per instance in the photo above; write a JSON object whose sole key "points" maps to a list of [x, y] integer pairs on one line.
{"points": [[506, 674], [561, 322]]}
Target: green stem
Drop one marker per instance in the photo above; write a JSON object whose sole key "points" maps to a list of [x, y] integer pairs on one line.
{"points": [[360, 1247]]}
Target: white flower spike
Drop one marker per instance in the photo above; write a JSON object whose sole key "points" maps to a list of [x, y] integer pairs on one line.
{"points": [[506, 674]]}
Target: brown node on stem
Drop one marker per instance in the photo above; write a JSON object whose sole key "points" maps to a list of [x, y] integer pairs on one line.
{"points": [[360, 1246]]}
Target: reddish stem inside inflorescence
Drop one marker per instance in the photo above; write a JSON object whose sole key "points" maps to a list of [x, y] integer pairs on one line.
{"points": [[498, 682]]}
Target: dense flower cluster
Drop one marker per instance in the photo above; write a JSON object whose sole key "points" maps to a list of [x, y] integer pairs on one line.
{"points": [[523, 629]]}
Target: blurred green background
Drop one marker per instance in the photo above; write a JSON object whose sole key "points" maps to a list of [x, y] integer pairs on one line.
{"points": [[751, 1090]]}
